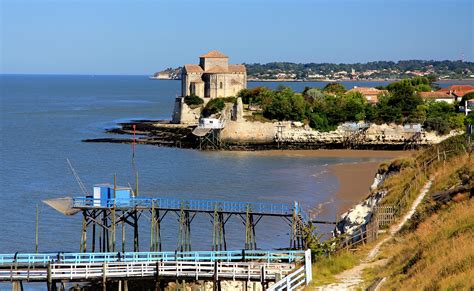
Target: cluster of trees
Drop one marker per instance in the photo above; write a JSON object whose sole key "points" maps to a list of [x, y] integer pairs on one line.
{"points": [[440, 68], [324, 109]]}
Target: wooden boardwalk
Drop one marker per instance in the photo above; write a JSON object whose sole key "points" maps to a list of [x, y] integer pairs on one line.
{"points": [[89, 272], [266, 269]]}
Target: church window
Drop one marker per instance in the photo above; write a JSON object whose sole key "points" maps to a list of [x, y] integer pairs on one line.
{"points": [[220, 85]]}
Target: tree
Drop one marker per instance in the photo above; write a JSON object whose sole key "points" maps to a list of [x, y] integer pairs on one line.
{"points": [[466, 97], [313, 93], [193, 101], [437, 124], [353, 105], [257, 95], [469, 120], [213, 106], [334, 88], [320, 122], [285, 105], [423, 88], [403, 98]]}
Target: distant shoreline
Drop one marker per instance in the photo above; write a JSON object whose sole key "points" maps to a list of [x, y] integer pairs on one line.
{"points": [[326, 80], [350, 80]]}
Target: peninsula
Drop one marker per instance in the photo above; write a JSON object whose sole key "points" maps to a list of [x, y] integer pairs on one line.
{"points": [[217, 111]]}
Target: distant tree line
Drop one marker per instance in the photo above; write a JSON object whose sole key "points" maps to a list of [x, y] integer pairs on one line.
{"points": [[458, 68], [324, 109]]}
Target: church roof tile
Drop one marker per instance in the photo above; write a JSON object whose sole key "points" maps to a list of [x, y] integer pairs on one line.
{"points": [[214, 54]]}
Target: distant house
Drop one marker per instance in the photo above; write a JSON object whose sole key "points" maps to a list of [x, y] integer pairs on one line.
{"points": [[458, 91], [371, 94], [451, 94], [437, 96]]}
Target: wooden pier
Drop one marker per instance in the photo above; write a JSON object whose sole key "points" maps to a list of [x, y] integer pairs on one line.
{"points": [[267, 267], [103, 219]]}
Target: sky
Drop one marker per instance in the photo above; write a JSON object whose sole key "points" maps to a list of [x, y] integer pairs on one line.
{"points": [[128, 37]]}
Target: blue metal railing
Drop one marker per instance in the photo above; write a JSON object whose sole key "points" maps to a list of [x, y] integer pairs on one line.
{"points": [[198, 256], [193, 205]]}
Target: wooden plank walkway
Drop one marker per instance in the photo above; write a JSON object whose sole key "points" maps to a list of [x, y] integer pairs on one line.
{"points": [[28, 259], [246, 271]]}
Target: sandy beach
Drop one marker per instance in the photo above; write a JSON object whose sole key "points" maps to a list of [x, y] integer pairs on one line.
{"points": [[354, 182], [355, 178], [338, 153]]}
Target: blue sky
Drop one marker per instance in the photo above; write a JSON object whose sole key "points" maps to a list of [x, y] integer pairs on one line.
{"points": [[144, 36]]}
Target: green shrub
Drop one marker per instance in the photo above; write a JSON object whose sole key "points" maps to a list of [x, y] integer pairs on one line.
{"points": [[232, 100], [468, 96], [334, 88], [456, 121], [469, 120], [320, 122], [423, 88], [213, 106], [193, 101], [257, 95], [438, 124]]}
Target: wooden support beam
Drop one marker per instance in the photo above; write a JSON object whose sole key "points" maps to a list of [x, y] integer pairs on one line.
{"points": [[83, 247], [104, 277], [135, 232]]}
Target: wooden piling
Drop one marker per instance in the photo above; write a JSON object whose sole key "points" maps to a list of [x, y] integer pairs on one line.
{"points": [[84, 232], [93, 233], [48, 278], [123, 232], [36, 229], [104, 277]]}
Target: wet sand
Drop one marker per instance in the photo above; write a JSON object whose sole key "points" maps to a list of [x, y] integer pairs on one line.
{"points": [[338, 153], [354, 179], [354, 183]]}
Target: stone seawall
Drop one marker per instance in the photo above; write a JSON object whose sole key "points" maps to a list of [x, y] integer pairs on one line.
{"points": [[297, 135], [246, 135]]}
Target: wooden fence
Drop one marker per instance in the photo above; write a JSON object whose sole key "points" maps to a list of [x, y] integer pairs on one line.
{"points": [[361, 235], [384, 215], [301, 276]]}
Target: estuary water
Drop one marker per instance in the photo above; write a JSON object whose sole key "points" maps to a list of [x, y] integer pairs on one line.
{"points": [[44, 119]]}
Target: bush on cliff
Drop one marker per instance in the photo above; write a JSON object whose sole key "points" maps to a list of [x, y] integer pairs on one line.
{"points": [[193, 101], [285, 105], [232, 100], [325, 109], [213, 106], [258, 95]]}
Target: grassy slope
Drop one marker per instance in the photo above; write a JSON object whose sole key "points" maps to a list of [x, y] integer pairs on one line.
{"points": [[325, 268], [436, 251]]}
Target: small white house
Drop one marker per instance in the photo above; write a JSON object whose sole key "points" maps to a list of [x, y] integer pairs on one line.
{"points": [[413, 127], [438, 96], [210, 123]]}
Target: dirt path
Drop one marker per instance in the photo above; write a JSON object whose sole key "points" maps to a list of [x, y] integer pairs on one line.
{"points": [[352, 278]]}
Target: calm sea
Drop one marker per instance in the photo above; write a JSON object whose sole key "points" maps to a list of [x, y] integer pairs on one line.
{"points": [[44, 119]]}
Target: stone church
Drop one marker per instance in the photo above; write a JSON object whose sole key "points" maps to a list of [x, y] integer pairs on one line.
{"points": [[214, 77]]}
